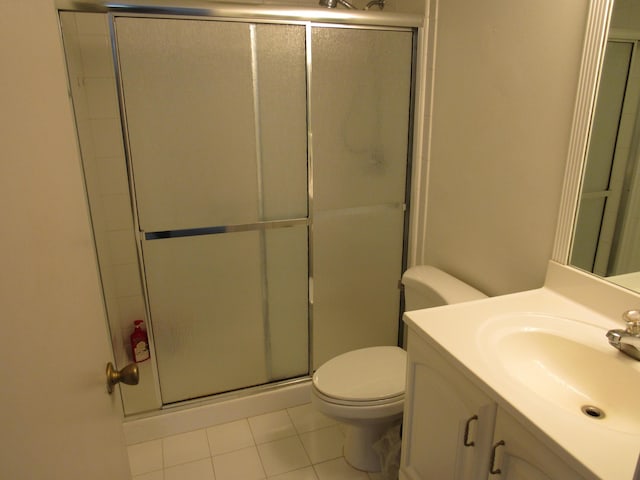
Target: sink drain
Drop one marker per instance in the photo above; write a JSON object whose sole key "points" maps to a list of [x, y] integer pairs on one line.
{"points": [[593, 412]]}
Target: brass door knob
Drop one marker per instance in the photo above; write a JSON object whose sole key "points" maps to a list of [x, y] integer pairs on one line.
{"points": [[129, 375]]}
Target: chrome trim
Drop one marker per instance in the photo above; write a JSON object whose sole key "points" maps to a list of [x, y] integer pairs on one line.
{"points": [[354, 26], [310, 291], [266, 322], [227, 396], [628, 340], [361, 210], [408, 191], [133, 202], [246, 227], [259, 12], [255, 87]]}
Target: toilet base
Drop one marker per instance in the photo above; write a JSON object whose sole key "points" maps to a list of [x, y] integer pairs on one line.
{"points": [[358, 445]]}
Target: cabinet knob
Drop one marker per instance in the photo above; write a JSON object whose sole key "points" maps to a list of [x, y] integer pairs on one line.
{"points": [[492, 468], [466, 441]]}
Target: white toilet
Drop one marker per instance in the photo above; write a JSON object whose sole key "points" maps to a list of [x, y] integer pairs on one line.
{"points": [[365, 388]]}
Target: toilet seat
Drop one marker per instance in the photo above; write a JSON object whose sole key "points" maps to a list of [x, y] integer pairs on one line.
{"points": [[359, 403], [368, 376]]}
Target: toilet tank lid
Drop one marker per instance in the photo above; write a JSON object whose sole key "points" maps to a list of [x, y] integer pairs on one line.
{"points": [[366, 374], [446, 286]]}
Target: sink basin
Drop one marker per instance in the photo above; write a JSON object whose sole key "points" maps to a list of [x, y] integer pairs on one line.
{"points": [[568, 363]]}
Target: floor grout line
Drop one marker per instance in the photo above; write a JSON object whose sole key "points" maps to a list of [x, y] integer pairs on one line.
{"points": [[305, 421]]}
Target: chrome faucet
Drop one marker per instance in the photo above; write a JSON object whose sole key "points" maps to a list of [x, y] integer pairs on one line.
{"points": [[627, 341]]}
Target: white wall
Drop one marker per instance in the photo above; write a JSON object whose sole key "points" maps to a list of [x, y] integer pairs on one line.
{"points": [[504, 89]]}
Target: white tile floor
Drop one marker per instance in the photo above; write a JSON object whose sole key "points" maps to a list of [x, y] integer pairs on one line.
{"points": [[294, 444]]}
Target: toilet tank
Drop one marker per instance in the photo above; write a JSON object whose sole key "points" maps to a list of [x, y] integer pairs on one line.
{"points": [[426, 286]]}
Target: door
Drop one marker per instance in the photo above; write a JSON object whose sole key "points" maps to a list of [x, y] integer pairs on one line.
{"points": [[57, 419], [238, 204], [360, 115], [217, 146]]}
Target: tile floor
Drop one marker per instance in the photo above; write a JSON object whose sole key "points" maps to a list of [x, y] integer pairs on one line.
{"points": [[294, 444]]}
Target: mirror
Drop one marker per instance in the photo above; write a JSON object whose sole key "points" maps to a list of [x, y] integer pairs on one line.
{"points": [[606, 238]]}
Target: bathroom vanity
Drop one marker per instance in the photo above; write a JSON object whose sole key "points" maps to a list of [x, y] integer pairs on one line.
{"points": [[523, 386]]}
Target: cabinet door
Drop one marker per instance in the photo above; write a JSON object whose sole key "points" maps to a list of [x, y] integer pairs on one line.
{"points": [[518, 455], [448, 421]]}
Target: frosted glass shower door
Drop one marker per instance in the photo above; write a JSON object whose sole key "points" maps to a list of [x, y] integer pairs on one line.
{"points": [[215, 110], [216, 125], [360, 117], [218, 325]]}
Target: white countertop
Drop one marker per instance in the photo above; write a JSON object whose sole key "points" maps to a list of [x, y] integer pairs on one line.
{"points": [[629, 280], [457, 332]]}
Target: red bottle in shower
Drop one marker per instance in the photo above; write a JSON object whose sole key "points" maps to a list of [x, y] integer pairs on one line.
{"points": [[139, 343]]}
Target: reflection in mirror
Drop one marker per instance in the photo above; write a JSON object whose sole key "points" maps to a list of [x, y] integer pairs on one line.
{"points": [[607, 234]]}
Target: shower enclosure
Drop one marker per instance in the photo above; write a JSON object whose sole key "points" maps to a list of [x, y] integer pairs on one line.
{"points": [[248, 183]]}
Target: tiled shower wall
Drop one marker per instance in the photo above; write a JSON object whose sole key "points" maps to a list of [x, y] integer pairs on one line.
{"points": [[98, 122]]}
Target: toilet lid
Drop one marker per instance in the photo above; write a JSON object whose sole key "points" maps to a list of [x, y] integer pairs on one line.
{"points": [[363, 375]]}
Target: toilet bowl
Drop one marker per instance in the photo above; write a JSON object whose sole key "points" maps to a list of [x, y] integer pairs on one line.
{"points": [[364, 388]]}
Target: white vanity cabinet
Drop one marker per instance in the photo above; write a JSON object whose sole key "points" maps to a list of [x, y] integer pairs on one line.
{"points": [[518, 455], [448, 423], [453, 430]]}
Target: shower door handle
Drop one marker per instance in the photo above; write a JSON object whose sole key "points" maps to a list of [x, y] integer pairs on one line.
{"points": [[129, 375]]}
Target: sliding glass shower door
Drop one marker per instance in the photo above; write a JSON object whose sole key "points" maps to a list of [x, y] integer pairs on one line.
{"points": [[360, 119], [248, 186], [216, 124]]}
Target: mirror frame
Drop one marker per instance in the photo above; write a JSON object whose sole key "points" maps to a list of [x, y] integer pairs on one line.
{"points": [[596, 31]]}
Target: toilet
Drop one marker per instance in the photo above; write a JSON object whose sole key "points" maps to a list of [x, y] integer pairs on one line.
{"points": [[364, 388]]}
